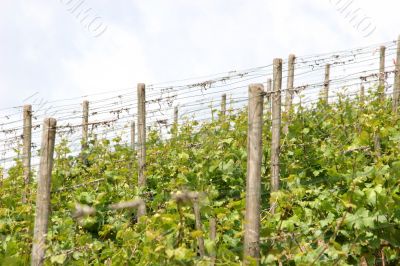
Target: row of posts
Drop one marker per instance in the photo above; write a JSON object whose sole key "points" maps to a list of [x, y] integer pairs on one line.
{"points": [[253, 182], [254, 148], [46, 163]]}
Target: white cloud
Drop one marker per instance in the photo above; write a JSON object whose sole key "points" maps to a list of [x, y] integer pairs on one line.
{"points": [[116, 61], [48, 51]]}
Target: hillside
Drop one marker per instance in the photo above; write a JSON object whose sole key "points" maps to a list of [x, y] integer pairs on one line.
{"points": [[338, 203]]}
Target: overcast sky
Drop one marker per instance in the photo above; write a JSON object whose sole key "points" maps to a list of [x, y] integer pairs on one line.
{"points": [[52, 48]]}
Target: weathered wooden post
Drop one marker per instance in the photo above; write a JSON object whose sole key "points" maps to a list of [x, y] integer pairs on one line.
{"points": [[43, 192], [176, 111], [253, 179], [382, 75], [213, 236], [174, 129], [141, 96], [290, 82], [85, 124], [362, 94], [396, 87], [327, 83], [276, 124], [289, 92], [377, 145], [223, 105], [381, 95], [199, 227], [141, 210], [27, 143]]}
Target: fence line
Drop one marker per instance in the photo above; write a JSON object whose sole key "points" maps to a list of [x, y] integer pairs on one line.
{"points": [[159, 110]]}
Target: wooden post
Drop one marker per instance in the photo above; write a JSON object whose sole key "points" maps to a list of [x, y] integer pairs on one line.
{"points": [[141, 96], [199, 227], [396, 87], [141, 210], [290, 82], [176, 115], [381, 94], [362, 94], [382, 75], [213, 236], [276, 124], [174, 129], [289, 92], [223, 105], [133, 133], [253, 180], [377, 145], [27, 139], [326, 83], [85, 124], [43, 192]]}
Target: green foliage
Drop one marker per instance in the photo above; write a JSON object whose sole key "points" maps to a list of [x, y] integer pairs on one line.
{"points": [[339, 201]]}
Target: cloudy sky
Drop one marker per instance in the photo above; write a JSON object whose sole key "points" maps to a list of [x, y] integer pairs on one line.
{"points": [[65, 48]]}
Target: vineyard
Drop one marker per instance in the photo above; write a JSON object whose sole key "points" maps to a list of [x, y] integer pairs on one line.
{"points": [[254, 167]]}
